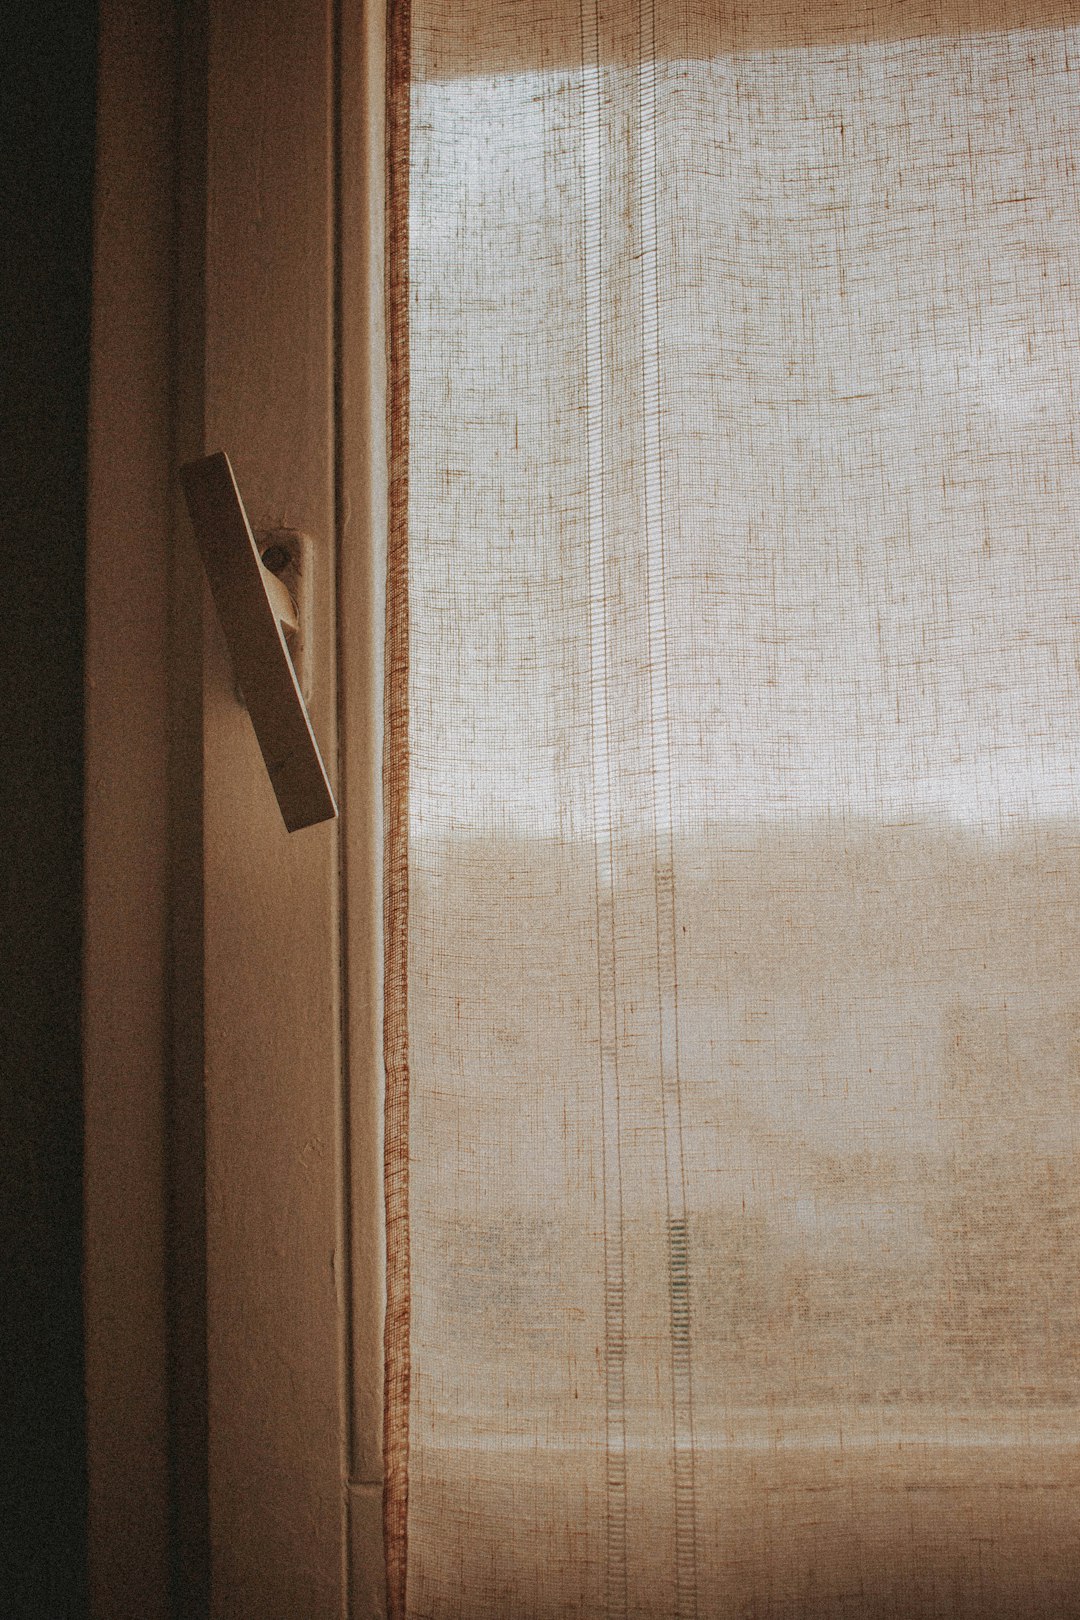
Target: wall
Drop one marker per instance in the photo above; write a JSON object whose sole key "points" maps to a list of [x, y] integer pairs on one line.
{"points": [[46, 167]]}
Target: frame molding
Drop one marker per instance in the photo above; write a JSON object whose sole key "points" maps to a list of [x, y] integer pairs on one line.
{"points": [[126, 853], [362, 504]]}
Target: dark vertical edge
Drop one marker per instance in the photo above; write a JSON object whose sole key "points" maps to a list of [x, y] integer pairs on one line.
{"points": [[395, 791], [47, 127], [189, 1529]]}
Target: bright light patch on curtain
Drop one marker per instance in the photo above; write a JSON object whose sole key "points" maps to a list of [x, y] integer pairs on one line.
{"points": [[743, 812]]}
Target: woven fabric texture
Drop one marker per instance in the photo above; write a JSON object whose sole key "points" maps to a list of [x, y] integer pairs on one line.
{"points": [[734, 793]]}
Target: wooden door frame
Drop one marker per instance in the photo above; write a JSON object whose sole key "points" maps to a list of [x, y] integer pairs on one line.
{"points": [[234, 1290]]}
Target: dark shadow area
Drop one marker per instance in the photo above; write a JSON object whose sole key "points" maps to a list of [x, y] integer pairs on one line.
{"points": [[46, 174]]}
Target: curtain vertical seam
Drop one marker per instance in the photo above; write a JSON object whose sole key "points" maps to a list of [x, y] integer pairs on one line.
{"points": [[615, 1560], [667, 970]]}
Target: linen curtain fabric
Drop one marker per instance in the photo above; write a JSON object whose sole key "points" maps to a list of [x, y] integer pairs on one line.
{"points": [[733, 806]]}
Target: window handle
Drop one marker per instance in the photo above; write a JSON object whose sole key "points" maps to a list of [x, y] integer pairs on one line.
{"points": [[256, 613]]}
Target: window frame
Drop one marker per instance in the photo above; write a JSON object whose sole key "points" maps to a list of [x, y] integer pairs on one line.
{"points": [[233, 1066]]}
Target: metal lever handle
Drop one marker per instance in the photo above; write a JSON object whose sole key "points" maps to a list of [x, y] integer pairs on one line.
{"points": [[255, 609]]}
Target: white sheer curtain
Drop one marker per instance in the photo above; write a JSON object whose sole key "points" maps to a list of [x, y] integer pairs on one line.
{"points": [[734, 793]]}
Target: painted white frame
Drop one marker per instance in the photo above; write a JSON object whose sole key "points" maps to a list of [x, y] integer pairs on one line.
{"points": [[240, 215]]}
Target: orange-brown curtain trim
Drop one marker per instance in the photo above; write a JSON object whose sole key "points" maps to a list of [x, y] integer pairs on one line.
{"points": [[396, 799]]}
